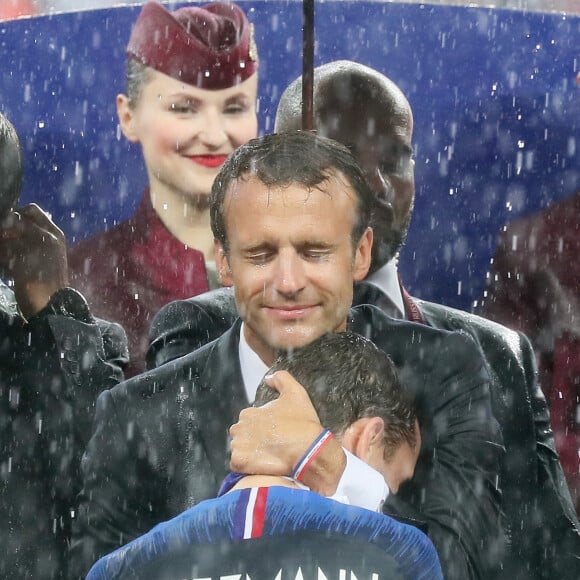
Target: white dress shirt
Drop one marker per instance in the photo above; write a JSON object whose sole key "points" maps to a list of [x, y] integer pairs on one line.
{"points": [[360, 484], [386, 279]]}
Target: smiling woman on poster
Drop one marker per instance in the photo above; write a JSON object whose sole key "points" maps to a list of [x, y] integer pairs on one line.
{"points": [[190, 100]]}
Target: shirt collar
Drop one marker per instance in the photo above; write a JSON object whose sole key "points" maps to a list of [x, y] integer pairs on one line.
{"points": [[386, 279], [348, 489], [253, 367]]}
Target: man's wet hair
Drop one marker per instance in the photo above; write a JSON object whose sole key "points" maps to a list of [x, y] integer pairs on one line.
{"points": [[348, 378], [284, 159]]}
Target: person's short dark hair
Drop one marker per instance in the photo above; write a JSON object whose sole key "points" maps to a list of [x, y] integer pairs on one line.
{"points": [[11, 170], [283, 159], [348, 378]]}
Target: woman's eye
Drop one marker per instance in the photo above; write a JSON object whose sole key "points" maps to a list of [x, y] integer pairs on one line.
{"points": [[181, 108], [234, 109]]}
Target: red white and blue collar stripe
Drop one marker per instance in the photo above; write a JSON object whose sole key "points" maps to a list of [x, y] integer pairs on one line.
{"points": [[250, 513]]}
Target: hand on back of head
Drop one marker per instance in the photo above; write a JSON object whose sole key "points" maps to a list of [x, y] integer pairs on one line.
{"points": [[260, 431]]}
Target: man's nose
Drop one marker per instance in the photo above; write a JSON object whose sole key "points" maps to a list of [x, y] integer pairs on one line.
{"points": [[380, 185], [290, 275]]}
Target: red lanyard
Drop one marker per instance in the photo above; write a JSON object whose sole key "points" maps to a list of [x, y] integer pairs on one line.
{"points": [[413, 312]]}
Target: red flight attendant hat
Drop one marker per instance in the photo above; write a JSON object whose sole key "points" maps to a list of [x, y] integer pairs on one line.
{"points": [[211, 47]]}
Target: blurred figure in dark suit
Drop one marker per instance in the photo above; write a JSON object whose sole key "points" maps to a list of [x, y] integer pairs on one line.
{"points": [[55, 358], [534, 287]]}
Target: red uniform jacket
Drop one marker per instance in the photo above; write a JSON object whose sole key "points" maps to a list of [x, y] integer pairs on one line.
{"points": [[129, 272], [535, 287]]}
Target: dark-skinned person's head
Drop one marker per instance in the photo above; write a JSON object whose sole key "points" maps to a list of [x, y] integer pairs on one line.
{"points": [[355, 389], [290, 214], [366, 111]]}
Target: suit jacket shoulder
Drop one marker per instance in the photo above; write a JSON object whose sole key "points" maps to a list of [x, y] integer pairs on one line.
{"points": [[500, 345], [511, 361], [536, 495], [454, 487], [159, 446], [183, 326]]}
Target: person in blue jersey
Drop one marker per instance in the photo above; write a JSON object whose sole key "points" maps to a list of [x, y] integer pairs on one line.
{"points": [[355, 389]]}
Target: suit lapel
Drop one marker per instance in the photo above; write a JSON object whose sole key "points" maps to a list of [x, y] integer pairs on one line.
{"points": [[223, 397], [367, 293]]}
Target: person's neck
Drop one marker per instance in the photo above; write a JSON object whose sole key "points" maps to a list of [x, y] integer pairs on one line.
{"points": [[264, 481], [262, 350], [187, 220]]}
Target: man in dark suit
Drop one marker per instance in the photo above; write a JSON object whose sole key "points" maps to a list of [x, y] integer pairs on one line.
{"points": [[291, 214], [262, 526], [54, 360], [366, 111]]}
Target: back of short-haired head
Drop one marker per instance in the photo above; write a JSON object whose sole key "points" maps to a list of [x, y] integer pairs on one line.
{"points": [[11, 170], [348, 378], [340, 85], [280, 160]]}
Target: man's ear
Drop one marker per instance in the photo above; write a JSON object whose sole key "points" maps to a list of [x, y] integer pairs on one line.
{"points": [[222, 265], [126, 117], [364, 438], [362, 257]]}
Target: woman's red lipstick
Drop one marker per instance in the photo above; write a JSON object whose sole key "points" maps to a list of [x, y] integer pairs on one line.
{"points": [[209, 160]]}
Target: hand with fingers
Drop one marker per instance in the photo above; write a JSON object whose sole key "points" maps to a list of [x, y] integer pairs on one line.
{"points": [[33, 255], [270, 440]]}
